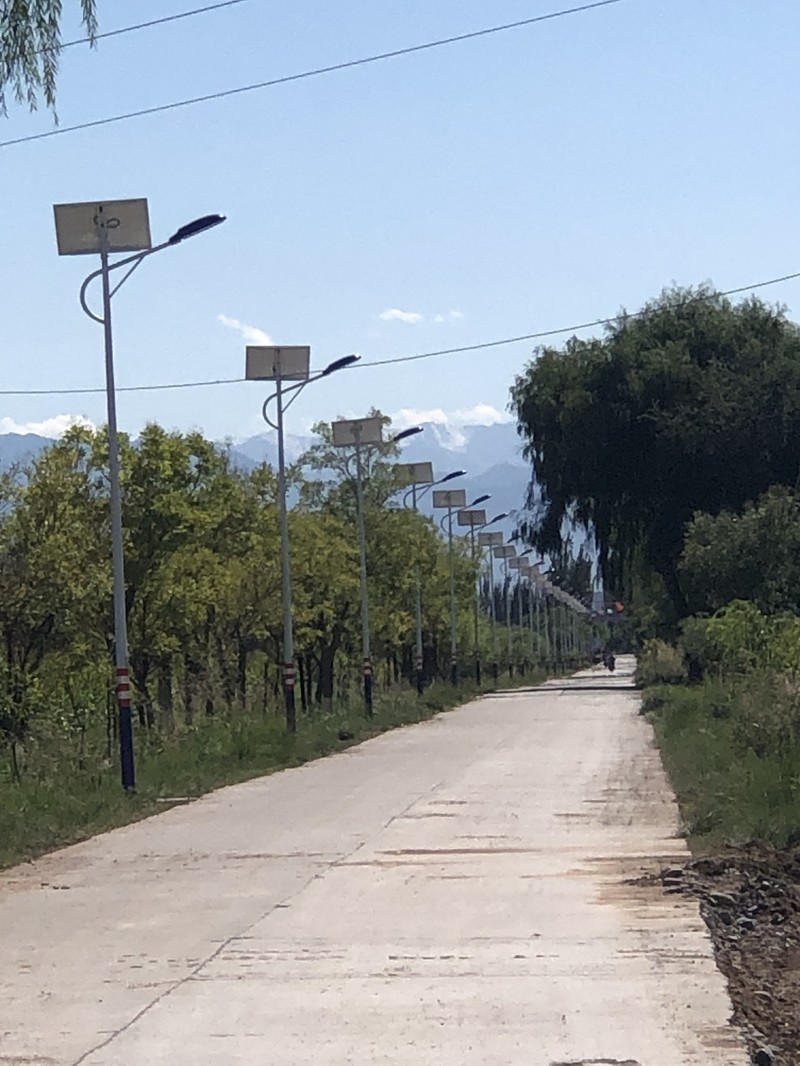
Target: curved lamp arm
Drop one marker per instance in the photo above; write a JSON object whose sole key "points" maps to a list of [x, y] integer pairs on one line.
{"points": [[189, 230]]}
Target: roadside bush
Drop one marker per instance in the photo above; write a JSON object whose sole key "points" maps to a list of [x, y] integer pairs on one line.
{"points": [[766, 718], [730, 756], [697, 648], [654, 700], [659, 663]]}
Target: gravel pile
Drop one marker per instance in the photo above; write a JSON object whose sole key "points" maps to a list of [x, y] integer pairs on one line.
{"points": [[750, 900]]}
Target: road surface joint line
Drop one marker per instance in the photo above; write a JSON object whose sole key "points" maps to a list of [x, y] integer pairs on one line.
{"points": [[225, 944]]}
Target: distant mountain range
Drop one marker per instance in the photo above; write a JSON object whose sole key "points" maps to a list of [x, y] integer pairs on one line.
{"points": [[490, 455], [20, 448]]}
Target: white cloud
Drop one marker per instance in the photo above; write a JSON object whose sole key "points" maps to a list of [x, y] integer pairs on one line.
{"points": [[394, 314], [481, 414], [56, 426], [450, 316], [251, 334], [450, 425]]}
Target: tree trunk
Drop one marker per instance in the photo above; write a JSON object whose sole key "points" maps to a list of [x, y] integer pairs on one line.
{"points": [[241, 672], [265, 693], [14, 762], [309, 677], [301, 682], [675, 592], [325, 678], [164, 696]]}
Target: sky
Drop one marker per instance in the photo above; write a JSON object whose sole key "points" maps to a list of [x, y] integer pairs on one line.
{"points": [[518, 182]]}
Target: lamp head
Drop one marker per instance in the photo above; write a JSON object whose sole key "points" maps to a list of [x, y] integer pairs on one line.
{"points": [[340, 364], [451, 475], [198, 226], [406, 433]]}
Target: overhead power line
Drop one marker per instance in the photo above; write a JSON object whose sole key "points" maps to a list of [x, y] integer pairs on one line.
{"points": [[463, 349], [151, 22], [543, 334], [313, 73]]}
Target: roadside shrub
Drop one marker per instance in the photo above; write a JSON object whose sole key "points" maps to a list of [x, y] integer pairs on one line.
{"points": [[766, 719], [739, 640], [659, 663], [697, 648], [654, 700]]}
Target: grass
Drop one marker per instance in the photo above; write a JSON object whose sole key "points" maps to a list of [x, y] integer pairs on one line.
{"points": [[66, 806], [728, 794]]}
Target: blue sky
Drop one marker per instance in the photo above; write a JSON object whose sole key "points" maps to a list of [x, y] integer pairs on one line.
{"points": [[500, 186]]}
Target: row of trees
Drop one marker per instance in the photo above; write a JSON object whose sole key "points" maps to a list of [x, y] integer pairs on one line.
{"points": [[203, 583]]}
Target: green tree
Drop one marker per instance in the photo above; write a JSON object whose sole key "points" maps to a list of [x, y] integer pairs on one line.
{"points": [[693, 405], [30, 45], [752, 556], [572, 572], [401, 544], [54, 579]]}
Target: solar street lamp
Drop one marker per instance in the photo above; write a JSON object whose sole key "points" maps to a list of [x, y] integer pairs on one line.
{"points": [[492, 540], [506, 552], [358, 433], [103, 228], [451, 500], [476, 520], [417, 474], [280, 364]]}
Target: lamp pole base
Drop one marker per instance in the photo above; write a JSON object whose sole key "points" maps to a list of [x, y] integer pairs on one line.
{"points": [[368, 688], [288, 697]]}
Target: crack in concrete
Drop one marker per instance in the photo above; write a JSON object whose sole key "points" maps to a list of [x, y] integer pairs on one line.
{"points": [[196, 971]]}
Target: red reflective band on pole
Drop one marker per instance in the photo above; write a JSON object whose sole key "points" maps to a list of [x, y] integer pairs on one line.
{"points": [[367, 668], [288, 675], [123, 685]]}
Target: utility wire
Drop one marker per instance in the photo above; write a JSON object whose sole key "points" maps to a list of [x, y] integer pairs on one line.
{"points": [[565, 329], [147, 25], [314, 73], [541, 335], [142, 26]]}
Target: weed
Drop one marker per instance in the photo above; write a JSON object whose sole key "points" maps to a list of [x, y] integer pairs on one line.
{"points": [[660, 664], [732, 762]]}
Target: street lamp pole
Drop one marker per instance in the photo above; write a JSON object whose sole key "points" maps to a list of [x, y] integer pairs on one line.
{"points": [[525, 572], [520, 563], [286, 571], [281, 364], [507, 583], [356, 433], [491, 541], [102, 228], [453, 624], [366, 654], [418, 652], [476, 634], [418, 646], [494, 616], [476, 520], [455, 499], [506, 552], [121, 655]]}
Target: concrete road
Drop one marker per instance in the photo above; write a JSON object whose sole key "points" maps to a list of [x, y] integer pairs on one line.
{"points": [[454, 892]]}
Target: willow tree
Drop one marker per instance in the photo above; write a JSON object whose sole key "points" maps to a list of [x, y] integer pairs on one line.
{"points": [[691, 405], [30, 46]]}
